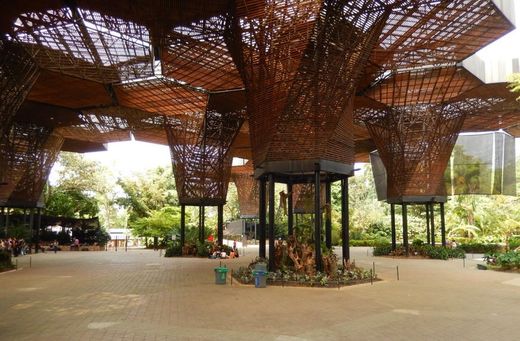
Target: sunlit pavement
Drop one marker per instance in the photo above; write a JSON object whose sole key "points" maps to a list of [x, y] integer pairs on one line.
{"points": [[138, 295]]}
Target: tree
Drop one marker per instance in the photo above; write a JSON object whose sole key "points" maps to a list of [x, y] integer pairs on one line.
{"points": [[162, 223], [147, 192], [79, 182], [514, 83]]}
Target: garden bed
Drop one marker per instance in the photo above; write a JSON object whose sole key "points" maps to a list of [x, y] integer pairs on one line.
{"points": [[350, 275], [330, 284], [506, 261]]}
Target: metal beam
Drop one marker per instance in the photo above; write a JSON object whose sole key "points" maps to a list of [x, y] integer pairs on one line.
{"points": [[405, 229], [328, 218], [290, 213], [344, 221], [262, 217], [392, 226], [220, 225], [317, 219], [271, 223], [443, 225], [183, 224]]}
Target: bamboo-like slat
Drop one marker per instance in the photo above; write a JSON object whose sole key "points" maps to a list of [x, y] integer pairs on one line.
{"points": [[300, 62], [29, 189], [417, 128], [24, 141], [121, 66], [18, 73], [247, 189], [200, 146]]}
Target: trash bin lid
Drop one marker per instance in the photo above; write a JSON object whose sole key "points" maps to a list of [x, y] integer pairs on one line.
{"points": [[221, 269], [261, 267]]}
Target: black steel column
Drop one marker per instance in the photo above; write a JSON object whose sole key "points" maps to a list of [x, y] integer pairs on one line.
{"points": [[345, 241], [432, 224], [328, 218], [427, 224], [31, 223], [271, 223], [443, 225], [317, 218], [2, 216], [290, 214], [392, 226], [38, 228], [220, 225], [405, 229], [183, 224], [262, 212], [201, 223], [6, 227]]}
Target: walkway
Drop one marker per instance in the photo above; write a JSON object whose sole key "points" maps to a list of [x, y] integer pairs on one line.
{"points": [[137, 295]]}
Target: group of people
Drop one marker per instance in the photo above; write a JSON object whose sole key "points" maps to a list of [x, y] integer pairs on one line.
{"points": [[17, 247], [220, 252]]}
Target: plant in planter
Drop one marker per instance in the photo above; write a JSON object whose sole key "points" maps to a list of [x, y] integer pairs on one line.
{"points": [[5, 261]]}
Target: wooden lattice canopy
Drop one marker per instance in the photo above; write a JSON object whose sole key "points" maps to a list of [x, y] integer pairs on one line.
{"points": [[20, 153], [200, 144], [247, 190], [414, 123], [97, 71]]}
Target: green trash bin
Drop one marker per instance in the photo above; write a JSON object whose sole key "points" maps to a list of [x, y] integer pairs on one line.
{"points": [[220, 274], [260, 278]]}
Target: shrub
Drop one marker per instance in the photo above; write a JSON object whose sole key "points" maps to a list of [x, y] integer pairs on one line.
{"points": [[173, 250], [508, 260], [382, 250], [480, 247], [417, 243], [369, 242], [422, 249], [514, 243], [203, 249], [5, 260]]}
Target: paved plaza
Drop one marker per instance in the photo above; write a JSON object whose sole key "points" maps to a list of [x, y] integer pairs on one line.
{"points": [[138, 295]]}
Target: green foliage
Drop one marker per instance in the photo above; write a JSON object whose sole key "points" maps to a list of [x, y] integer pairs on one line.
{"points": [[174, 249], [514, 243], [287, 276], [507, 260], [71, 203], [382, 250], [76, 194], [203, 249], [417, 243], [369, 242], [148, 192], [378, 230], [5, 261], [479, 247], [160, 223], [514, 83], [19, 232], [419, 248], [436, 252]]}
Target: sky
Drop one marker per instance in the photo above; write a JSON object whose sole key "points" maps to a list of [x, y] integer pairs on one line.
{"points": [[127, 158]]}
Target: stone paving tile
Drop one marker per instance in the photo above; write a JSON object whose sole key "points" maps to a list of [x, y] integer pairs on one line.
{"points": [[137, 295]]}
